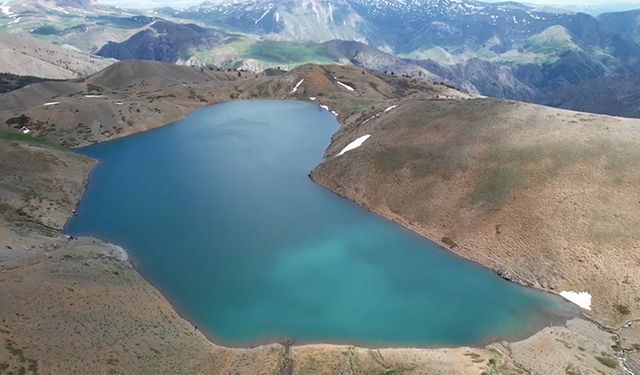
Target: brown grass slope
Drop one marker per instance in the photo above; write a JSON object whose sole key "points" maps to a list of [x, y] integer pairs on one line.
{"points": [[24, 55], [134, 96], [546, 197]]}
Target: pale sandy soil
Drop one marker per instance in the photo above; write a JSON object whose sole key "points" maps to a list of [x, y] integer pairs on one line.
{"points": [[77, 307], [24, 55]]}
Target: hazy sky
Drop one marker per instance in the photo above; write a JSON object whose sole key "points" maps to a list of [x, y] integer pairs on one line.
{"points": [[184, 3]]}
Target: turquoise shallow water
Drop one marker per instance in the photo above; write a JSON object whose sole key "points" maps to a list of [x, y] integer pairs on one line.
{"points": [[217, 212]]}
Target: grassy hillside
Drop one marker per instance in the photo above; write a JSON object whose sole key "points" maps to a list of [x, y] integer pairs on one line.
{"points": [[543, 196], [27, 56], [10, 82], [265, 53]]}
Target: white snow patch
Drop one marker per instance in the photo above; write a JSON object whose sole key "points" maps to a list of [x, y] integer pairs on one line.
{"points": [[51, 103], [25, 130], [6, 9], [355, 144], [119, 103], [264, 14], [345, 86], [582, 299], [312, 98], [94, 96], [380, 114], [297, 86], [326, 108]]}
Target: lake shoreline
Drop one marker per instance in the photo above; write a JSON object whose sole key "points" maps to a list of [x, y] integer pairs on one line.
{"points": [[555, 320], [500, 355]]}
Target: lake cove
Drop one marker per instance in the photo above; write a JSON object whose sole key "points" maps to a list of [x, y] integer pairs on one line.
{"points": [[218, 213]]}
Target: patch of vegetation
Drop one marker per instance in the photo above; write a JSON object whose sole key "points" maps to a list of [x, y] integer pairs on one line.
{"points": [[20, 121], [16, 352], [607, 361], [94, 88], [32, 366], [28, 138], [551, 42], [272, 54], [436, 161], [5, 207], [287, 52], [449, 242], [10, 213], [622, 309], [362, 103], [394, 158], [10, 82], [505, 166], [46, 30], [496, 185]]}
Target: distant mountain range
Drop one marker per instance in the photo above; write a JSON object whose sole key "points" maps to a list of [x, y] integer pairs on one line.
{"points": [[506, 50]]}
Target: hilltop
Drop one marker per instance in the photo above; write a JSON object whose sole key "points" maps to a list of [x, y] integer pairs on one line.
{"points": [[132, 96]]}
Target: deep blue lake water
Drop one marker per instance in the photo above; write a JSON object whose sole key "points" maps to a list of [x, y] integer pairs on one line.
{"points": [[218, 213]]}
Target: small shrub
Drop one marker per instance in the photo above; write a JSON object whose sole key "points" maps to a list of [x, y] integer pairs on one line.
{"points": [[449, 242], [622, 309], [20, 121], [91, 87], [27, 138], [608, 361], [32, 366]]}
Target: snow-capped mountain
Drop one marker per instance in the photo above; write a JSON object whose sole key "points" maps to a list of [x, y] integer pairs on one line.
{"points": [[503, 49], [316, 20], [400, 26]]}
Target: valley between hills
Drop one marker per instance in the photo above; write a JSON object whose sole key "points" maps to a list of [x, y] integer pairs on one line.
{"points": [[545, 197]]}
